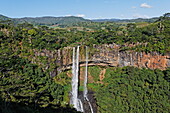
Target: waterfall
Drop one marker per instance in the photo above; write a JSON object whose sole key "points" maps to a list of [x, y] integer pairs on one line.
{"points": [[85, 82], [75, 101], [86, 75], [91, 108], [80, 106], [74, 92], [75, 72], [79, 103]]}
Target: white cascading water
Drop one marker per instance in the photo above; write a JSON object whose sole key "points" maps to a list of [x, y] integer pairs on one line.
{"points": [[75, 72], [80, 106], [86, 75], [74, 84], [85, 82]]}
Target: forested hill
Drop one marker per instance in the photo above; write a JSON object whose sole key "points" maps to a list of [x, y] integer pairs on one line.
{"points": [[2, 17], [69, 20], [51, 20], [127, 20], [47, 20]]}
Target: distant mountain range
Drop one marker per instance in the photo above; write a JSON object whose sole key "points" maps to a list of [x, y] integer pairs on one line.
{"points": [[127, 20], [48, 20], [2, 17]]}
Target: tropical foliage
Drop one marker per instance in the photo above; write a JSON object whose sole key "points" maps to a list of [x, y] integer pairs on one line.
{"points": [[129, 90], [27, 86]]}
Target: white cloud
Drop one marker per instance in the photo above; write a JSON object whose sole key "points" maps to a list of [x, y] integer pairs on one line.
{"points": [[140, 16], [145, 5], [80, 15]]}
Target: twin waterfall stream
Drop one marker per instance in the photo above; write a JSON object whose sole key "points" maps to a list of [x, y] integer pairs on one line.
{"points": [[75, 101]]}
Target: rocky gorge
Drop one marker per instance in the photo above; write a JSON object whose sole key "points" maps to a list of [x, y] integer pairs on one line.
{"points": [[103, 55]]}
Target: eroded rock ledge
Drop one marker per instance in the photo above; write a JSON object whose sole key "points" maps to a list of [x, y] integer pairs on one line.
{"points": [[106, 55]]}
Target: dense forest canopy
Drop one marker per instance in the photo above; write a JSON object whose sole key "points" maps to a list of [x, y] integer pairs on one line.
{"points": [[130, 89], [27, 84], [155, 35]]}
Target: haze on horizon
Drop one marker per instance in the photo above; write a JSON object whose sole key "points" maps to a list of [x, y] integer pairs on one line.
{"points": [[90, 9]]}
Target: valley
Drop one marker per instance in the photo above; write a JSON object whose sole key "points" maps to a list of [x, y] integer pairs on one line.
{"points": [[126, 67]]}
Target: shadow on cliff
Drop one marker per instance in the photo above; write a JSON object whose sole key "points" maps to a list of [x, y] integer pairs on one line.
{"points": [[13, 107]]}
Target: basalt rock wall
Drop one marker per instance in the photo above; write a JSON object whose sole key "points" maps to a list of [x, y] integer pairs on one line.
{"points": [[104, 55]]}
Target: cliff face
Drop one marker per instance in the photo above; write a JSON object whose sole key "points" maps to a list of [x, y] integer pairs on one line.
{"points": [[105, 55]]}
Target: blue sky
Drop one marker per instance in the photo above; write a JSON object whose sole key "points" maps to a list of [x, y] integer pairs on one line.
{"points": [[85, 8]]}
